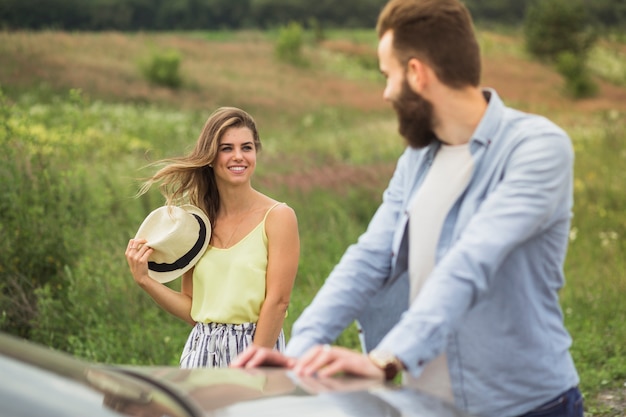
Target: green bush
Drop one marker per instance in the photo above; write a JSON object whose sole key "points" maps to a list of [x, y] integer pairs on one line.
{"points": [[555, 26], [289, 44], [559, 32], [578, 82], [163, 68]]}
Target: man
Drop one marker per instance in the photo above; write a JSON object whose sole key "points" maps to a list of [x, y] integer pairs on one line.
{"points": [[472, 233]]}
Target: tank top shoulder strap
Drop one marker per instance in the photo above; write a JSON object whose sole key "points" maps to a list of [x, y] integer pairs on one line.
{"points": [[270, 209]]}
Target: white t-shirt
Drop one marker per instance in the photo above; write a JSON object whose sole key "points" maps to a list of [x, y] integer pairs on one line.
{"points": [[446, 180]]}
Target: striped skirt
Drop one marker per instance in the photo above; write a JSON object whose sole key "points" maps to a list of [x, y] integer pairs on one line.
{"points": [[215, 345]]}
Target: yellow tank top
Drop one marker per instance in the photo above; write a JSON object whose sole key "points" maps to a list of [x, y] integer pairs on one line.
{"points": [[229, 284]]}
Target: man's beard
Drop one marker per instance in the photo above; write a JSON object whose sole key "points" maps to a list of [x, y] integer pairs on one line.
{"points": [[415, 117]]}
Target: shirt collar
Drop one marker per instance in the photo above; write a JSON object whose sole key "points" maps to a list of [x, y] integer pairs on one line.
{"points": [[487, 128]]}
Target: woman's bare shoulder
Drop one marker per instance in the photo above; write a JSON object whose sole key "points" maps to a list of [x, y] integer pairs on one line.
{"points": [[280, 215]]}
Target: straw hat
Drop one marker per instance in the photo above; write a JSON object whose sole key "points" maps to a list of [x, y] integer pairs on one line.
{"points": [[179, 236]]}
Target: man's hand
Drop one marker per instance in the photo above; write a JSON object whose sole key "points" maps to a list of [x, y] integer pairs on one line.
{"points": [[325, 361], [255, 356]]}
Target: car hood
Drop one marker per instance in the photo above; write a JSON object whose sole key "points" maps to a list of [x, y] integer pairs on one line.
{"points": [[278, 392], [39, 381]]}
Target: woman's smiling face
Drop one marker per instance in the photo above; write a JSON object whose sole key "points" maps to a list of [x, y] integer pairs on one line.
{"points": [[236, 156]]}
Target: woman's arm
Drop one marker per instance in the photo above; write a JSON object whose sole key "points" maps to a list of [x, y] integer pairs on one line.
{"points": [[174, 302], [283, 255]]}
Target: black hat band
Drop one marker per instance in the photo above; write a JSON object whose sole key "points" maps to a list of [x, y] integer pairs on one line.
{"points": [[184, 260]]}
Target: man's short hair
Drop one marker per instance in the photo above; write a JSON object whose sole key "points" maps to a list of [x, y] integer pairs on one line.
{"points": [[438, 32]]}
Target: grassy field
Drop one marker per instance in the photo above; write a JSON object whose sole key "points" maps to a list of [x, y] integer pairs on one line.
{"points": [[79, 123]]}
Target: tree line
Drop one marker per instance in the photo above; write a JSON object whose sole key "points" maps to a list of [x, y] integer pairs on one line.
{"points": [[130, 15]]}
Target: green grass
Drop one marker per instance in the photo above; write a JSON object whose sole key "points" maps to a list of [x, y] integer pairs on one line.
{"points": [[596, 279]]}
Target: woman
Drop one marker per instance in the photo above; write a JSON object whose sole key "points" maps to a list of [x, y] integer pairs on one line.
{"points": [[238, 292]]}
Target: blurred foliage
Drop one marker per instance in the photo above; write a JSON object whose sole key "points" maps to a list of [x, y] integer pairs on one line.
{"points": [[592, 298], [228, 14], [44, 201], [607, 60], [289, 44], [62, 210], [560, 32], [162, 68], [555, 26], [578, 82]]}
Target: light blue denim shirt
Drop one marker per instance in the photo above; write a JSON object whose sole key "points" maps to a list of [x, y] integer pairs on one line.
{"points": [[491, 302]]}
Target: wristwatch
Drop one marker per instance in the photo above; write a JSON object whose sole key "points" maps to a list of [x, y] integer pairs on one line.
{"points": [[386, 361]]}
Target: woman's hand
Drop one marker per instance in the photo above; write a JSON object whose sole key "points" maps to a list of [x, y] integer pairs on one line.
{"points": [[175, 302], [255, 356], [137, 254]]}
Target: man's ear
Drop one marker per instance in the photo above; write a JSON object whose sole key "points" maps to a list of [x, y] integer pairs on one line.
{"points": [[417, 75]]}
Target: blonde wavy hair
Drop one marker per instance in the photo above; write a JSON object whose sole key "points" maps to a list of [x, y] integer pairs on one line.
{"points": [[190, 178]]}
